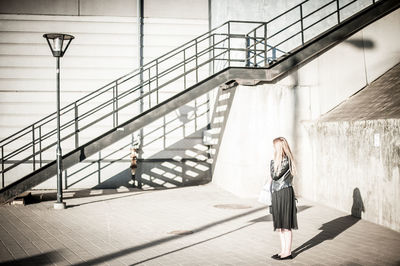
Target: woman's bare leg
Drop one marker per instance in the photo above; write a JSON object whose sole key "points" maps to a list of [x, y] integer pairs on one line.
{"points": [[287, 234], [282, 237]]}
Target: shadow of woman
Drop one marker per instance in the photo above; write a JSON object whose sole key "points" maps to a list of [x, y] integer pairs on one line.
{"points": [[330, 230]]}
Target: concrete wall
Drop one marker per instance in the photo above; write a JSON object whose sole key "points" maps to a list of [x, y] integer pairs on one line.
{"points": [[351, 167], [265, 10], [104, 48], [123, 8], [288, 107]]}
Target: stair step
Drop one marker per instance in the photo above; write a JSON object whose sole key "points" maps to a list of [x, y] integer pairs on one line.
{"points": [[22, 198]]}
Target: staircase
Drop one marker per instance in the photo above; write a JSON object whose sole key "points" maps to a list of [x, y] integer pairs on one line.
{"points": [[242, 51]]}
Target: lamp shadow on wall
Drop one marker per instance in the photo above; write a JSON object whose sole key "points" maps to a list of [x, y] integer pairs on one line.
{"points": [[361, 43]]}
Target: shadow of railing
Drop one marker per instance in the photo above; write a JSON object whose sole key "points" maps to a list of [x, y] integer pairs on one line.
{"points": [[175, 237], [172, 150]]}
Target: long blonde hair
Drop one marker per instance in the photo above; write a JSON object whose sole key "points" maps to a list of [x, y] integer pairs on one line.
{"points": [[281, 148]]}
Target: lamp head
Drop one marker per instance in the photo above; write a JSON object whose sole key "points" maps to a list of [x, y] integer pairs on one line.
{"points": [[58, 43]]}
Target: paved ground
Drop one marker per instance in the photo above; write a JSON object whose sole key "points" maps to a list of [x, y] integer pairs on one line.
{"points": [[136, 228]]}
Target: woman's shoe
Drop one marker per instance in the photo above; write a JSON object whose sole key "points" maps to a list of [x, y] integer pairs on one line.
{"points": [[276, 256], [286, 258]]}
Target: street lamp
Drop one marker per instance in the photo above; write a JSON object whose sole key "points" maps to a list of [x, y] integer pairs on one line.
{"points": [[58, 43]]}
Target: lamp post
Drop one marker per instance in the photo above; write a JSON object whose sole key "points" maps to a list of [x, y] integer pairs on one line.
{"points": [[58, 43]]}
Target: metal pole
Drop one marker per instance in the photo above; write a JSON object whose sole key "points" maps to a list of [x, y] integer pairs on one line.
{"points": [[76, 118], [140, 14], [33, 148], [301, 24], [229, 44], [265, 47], [247, 51], [2, 166], [59, 204]]}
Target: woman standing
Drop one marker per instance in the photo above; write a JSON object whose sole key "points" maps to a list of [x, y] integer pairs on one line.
{"points": [[284, 210]]}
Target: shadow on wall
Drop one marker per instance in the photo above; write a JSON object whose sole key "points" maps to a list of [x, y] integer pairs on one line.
{"points": [[182, 163], [358, 204]]}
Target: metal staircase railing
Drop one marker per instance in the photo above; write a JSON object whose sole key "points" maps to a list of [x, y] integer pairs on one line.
{"points": [[234, 43]]}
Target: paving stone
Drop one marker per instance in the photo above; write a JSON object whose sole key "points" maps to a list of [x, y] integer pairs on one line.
{"points": [[134, 230]]}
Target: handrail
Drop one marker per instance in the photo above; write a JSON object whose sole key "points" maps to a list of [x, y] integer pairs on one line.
{"points": [[258, 50]]}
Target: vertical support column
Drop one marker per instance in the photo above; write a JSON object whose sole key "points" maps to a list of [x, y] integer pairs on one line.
{"points": [[301, 24], [338, 11]]}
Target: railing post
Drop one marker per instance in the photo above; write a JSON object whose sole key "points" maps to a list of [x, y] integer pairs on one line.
{"points": [[113, 102], [197, 70], [157, 78], [247, 51], [149, 77], [2, 166], [33, 148], [40, 146], [338, 11], [164, 133], [195, 114], [266, 46], [65, 180], [76, 125], [184, 68], [229, 44], [274, 53], [213, 53], [116, 103], [99, 169], [301, 24], [255, 48]]}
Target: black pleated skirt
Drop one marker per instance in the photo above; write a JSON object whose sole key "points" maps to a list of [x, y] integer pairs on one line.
{"points": [[284, 211]]}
